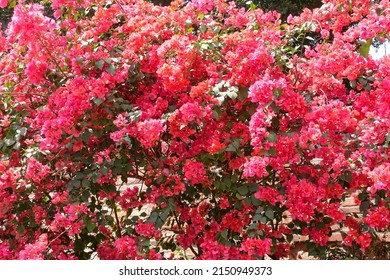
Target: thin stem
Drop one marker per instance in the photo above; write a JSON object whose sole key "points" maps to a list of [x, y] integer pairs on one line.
{"points": [[119, 230]]}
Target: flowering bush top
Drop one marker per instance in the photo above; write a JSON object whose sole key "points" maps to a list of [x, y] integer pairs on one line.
{"points": [[232, 120]]}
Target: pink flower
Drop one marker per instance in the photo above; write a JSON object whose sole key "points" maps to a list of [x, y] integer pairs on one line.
{"points": [[268, 194], [5, 253], [212, 250], [35, 71], [378, 218], [256, 247], [194, 172], [34, 251], [145, 229], [364, 240], [255, 167], [126, 248], [191, 112], [36, 171], [204, 6], [381, 178], [258, 126], [224, 203], [3, 3], [150, 131], [301, 199]]}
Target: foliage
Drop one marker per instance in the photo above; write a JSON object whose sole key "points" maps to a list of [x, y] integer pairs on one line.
{"points": [[242, 131]]}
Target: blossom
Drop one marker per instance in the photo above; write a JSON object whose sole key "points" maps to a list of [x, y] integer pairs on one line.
{"points": [[301, 200], [381, 177], [36, 171], [35, 251], [268, 194], [194, 172], [149, 132], [35, 71], [378, 218], [258, 127], [213, 250], [256, 247], [364, 240], [303, 127], [255, 167], [3, 3], [145, 229]]}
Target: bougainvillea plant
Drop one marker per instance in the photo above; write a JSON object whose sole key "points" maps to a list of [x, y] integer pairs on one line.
{"points": [[242, 131]]}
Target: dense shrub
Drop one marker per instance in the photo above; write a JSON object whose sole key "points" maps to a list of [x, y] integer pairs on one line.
{"points": [[243, 131]]}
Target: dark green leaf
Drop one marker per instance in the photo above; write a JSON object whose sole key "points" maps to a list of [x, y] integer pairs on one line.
{"points": [[90, 225], [327, 220], [111, 69], [272, 137], [347, 176], [242, 94], [99, 64], [9, 141], [98, 101], [269, 214], [243, 190]]}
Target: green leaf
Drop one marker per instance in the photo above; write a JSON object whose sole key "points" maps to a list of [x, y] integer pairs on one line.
{"points": [[320, 225], [347, 176], [242, 94], [289, 65], [20, 228], [243, 190], [248, 201], [259, 209], [223, 234], [202, 28], [327, 220], [99, 64], [232, 147], [111, 69], [72, 184], [272, 137], [260, 218], [165, 213], [79, 245], [104, 170], [86, 136], [217, 112], [16, 146], [364, 49], [98, 101], [253, 187], [9, 141], [269, 214], [270, 152], [153, 217], [364, 207], [217, 29], [22, 131], [90, 225], [363, 196]]}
